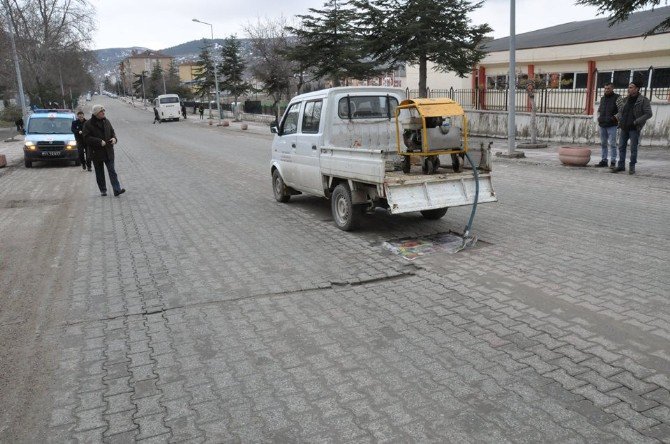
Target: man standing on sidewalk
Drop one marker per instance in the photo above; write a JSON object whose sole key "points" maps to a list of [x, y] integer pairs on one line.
{"points": [[634, 111], [78, 131], [607, 112]]}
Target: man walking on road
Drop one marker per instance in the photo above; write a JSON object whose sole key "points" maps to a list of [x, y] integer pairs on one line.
{"points": [[634, 111], [100, 137], [607, 112], [78, 131]]}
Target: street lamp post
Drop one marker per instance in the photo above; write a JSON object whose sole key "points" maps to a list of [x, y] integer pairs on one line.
{"points": [[216, 77], [19, 80]]}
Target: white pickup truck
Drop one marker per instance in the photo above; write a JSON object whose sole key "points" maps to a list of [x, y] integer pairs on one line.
{"points": [[341, 143]]}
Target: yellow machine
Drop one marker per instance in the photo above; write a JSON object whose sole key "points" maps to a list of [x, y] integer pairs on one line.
{"points": [[429, 128]]}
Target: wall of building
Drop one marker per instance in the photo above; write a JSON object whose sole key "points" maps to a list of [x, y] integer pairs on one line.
{"points": [[634, 53], [566, 128]]}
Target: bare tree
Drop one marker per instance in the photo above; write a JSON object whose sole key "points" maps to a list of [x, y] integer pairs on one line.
{"points": [[52, 37], [270, 41]]}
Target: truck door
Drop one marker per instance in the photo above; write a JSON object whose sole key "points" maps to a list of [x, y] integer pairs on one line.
{"points": [[286, 143], [306, 157]]}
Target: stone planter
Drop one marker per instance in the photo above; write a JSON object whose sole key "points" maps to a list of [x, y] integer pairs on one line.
{"points": [[225, 123], [574, 155], [244, 126]]}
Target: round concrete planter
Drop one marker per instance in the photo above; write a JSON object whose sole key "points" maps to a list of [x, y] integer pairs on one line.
{"points": [[225, 123], [244, 126], [574, 155]]}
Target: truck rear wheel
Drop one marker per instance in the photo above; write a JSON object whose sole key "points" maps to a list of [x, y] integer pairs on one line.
{"points": [[435, 214], [279, 188], [28, 163], [346, 215]]}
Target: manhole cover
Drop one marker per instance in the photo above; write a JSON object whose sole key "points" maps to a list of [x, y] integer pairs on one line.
{"points": [[412, 248]]}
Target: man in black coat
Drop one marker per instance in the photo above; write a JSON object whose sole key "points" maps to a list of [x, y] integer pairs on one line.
{"points": [[78, 131], [100, 137]]}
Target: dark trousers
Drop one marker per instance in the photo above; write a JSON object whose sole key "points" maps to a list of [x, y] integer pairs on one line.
{"points": [[84, 156], [624, 136], [100, 175]]}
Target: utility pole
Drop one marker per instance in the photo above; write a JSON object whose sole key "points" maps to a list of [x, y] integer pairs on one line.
{"points": [[216, 77], [511, 82], [15, 55]]}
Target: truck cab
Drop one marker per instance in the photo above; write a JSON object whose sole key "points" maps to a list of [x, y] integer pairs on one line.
{"points": [[49, 137]]}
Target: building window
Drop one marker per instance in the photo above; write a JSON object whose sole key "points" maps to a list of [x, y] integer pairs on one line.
{"points": [[621, 79], [641, 76], [604, 77], [581, 80], [660, 78], [568, 80]]}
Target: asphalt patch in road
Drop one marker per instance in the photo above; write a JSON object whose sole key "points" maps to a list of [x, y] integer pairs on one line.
{"points": [[413, 248], [23, 203]]}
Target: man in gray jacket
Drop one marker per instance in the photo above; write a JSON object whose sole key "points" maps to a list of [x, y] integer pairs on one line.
{"points": [[634, 111]]}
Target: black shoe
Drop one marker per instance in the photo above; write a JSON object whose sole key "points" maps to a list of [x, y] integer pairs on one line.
{"points": [[83, 167], [631, 168], [613, 164], [89, 169], [121, 191], [103, 193], [603, 163], [617, 169]]}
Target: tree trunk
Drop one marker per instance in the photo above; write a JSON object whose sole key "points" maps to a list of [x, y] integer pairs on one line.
{"points": [[423, 76], [533, 122]]}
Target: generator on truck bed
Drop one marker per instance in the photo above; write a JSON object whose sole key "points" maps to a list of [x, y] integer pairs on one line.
{"points": [[354, 146]]}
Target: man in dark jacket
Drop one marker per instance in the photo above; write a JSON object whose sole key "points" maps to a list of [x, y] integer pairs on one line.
{"points": [[634, 111], [78, 131], [100, 137], [607, 112]]}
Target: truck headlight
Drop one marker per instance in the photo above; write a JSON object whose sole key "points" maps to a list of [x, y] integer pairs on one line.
{"points": [[30, 146], [72, 144]]}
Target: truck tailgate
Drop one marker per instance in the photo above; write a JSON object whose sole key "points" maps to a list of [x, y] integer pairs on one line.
{"points": [[416, 192]]}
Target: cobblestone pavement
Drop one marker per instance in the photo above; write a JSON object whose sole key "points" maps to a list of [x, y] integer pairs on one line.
{"points": [[200, 309]]}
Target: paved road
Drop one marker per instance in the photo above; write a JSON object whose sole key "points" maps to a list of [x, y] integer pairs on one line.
{"points": [[196, 308]]}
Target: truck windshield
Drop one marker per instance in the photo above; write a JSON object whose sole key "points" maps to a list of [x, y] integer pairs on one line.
{"points": [[49, 126], [367, 107], [169, 100]]}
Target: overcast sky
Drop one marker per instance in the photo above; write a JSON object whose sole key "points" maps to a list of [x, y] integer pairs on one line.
{"points": [[160, 24]]}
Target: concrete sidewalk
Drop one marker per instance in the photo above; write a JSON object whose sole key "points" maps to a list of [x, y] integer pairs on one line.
{"points": [[651, 161]]}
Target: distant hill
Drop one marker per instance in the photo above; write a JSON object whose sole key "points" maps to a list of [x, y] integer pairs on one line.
{"points": [[109, 59]]}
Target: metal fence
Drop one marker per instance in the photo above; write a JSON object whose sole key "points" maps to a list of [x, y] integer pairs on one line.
{"points": [[547, 100]]}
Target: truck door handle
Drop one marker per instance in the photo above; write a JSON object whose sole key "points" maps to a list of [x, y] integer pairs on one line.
{"points": [[313, 147], [293, 145]]}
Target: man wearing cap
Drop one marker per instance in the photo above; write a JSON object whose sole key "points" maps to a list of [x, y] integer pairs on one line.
{"points": [[634, 111], [101, 138]]}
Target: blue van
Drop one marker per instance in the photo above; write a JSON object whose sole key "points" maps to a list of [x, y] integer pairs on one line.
{"points": [[49, 137]]}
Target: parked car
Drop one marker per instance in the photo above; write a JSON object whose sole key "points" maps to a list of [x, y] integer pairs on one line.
{"points": [[49, 137]]}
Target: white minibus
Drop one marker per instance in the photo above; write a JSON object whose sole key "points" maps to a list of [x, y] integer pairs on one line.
{"points": [[168, 106]]}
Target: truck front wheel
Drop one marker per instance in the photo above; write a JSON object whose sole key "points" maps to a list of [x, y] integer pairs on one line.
{"points": [[435, 214], [279, 188], [345, 213]]}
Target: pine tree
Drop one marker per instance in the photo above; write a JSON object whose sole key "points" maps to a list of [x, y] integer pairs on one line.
{"points": [[232, 69], [421, 31], [330, 45], [172, 78], [204, 73], [156, 79], [620, 11]]}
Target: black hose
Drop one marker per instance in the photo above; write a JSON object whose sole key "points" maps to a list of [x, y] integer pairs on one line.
{"points": [[474, 205]]}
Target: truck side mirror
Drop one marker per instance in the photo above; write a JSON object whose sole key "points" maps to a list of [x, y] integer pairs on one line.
{"points": [[274, 127]]}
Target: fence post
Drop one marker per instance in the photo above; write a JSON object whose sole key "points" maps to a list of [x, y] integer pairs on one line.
{"points": [[407, 93], [451, 93], [650, 82], [506, 96]]}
